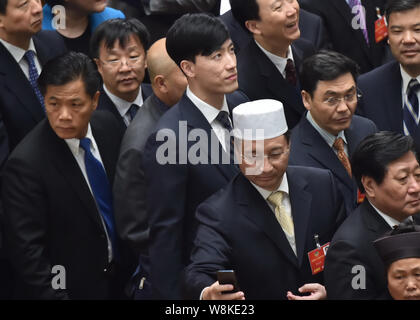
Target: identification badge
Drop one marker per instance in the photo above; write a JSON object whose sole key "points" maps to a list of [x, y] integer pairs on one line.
{"points": [[317, 258], [360, 197], [381, 30]]}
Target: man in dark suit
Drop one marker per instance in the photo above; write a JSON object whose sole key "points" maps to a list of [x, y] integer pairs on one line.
{"points": [[390, 90], [347, 32], [388, 172], [20, 104], [129, 190], [181, 177], [329, 94], [57, 194], [310, 25], [24, 50], [118, 47], [267, 219], [267, 64]]}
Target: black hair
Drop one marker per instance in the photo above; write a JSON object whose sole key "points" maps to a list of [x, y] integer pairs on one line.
{"points": [[375, 152], [3, 6], [325, 66], [243, 10], [118, 29], [67, 68], [399, 6], [195, 34]]}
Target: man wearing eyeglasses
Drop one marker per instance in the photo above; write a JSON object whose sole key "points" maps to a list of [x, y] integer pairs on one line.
{"points": [[119, 47], [267, 219], [328, 133]]}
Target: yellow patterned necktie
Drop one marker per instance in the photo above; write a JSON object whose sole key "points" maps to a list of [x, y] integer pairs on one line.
{"points": [[285, 219]]}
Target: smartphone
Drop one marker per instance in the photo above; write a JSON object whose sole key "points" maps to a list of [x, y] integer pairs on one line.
{"points": [[228, 277]]}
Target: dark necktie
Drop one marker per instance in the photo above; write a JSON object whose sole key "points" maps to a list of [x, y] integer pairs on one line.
{"points": [[101, 190], [33, 75], [411, 108], [291, 72], [132, 111], [341, 154], [223, 118], [362, 15]]}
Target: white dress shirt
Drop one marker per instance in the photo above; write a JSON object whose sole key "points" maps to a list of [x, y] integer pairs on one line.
{"points": [[79, 155], [18, 55], [389, 220], [278, 61], [284, 187], [123, 105], [210, 113], [328, 137]]}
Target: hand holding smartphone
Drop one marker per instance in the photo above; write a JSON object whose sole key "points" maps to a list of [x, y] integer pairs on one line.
{"points": [[228, 277]]}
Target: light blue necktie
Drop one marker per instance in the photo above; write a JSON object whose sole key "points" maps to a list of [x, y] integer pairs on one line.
{"points": [[33, 76]]}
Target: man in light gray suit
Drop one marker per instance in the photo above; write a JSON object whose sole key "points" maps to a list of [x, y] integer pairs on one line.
{"points": [[168, 84]]}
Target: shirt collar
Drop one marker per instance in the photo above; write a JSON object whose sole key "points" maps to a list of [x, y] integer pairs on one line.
{"points": [[17, 52], [328, 137], [209, 112], [284, 186], [278, 61], [74, 144], [123, 105], [406, 78], [389, 220]]}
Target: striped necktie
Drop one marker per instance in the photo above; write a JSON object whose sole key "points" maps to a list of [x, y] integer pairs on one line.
{"points": [[411, 108]]}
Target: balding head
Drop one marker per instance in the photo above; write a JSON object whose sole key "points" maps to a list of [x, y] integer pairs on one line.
{"points": [[168, 81]]}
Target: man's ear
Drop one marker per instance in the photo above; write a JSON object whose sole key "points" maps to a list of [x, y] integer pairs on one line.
{"points": [[370, 186], [188, 67], [307, 100], [160, 83], [98, 65], [252, 26], [96, 100]]}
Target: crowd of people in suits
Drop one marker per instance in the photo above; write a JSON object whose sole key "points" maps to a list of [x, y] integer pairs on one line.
{"points": [[303, 114]]}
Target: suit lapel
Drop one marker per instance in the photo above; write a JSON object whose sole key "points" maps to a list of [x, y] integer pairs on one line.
{"points": [[394, 99], [66, 164], [275, 82], [196, 120], [320, 151], [256, 209], [16, 81], [300, 201]]}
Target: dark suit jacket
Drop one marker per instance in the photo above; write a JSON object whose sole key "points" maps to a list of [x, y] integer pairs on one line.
{"points": [[105, 103], [310, 26], [259, 78], [175, 190], [20, 109], [382, 100], [52, 218], [238, 230], [337, 17], [352, 246], [129, 185], [308, 148]]}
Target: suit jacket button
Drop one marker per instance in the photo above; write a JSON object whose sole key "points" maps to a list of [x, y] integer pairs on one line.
{"points": [[105, 270]]}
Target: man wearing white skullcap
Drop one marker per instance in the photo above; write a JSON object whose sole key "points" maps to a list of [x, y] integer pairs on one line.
{"points": [[267, 220]]}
